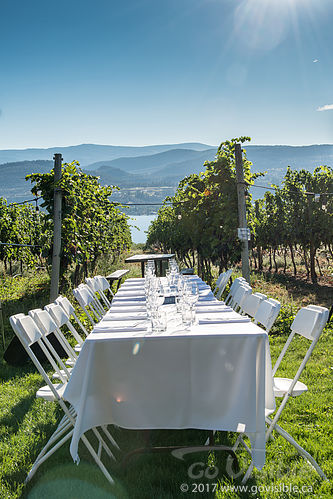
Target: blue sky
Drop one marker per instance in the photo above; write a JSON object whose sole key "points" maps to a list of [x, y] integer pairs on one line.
{"points": [[165, 71]]}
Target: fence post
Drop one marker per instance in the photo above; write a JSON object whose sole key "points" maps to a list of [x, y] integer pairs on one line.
{"points": [[54, 290], [2, 326], [241, 188]]}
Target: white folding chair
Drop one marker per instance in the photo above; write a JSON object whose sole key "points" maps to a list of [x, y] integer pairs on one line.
{"points": [[267, 313], [221, 283], [88, 304], [104, 286], [218, 282], [29, 334], [64, 302], [233, 288], [48, 325], [95, 286], [251, 303], [60, 317], [239, 296], [309, 323], [99, 305]]}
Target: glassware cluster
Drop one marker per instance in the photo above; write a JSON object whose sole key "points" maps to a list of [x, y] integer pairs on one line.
{"points": [[175, 288]]}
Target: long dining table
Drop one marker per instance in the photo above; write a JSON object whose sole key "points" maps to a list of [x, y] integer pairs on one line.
{"points": [[214, 375]]}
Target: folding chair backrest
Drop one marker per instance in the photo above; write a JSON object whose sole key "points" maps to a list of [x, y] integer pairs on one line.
{"points": [[104, 285], [218, 282], [64, 302], [309, 322], [48, 325], [92, 284], [95, 297], [60, 317], [66, 305], [233, 288], [240, 295], [30, 334], [88, 303], [324, 314], [264, 297], [267, 313], [57, 313], [43, 320], [251, 303], [223, 283]]}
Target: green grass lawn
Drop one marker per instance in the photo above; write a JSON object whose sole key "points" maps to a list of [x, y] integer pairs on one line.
{"points": [[27, 423]]}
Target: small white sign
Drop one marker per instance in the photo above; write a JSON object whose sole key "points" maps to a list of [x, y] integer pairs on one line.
{"points": [[244, 234]]}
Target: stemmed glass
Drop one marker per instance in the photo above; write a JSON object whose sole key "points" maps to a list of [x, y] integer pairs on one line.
{"points": [[191, 293]]}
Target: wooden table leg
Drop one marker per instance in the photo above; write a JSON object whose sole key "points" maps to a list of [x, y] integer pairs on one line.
{"points": [[142, 269]]}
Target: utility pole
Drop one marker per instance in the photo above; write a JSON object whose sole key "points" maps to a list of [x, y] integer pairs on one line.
{"points": [[241, 188], [54, 291]]}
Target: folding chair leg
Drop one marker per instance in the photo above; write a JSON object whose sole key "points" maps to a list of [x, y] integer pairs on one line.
{"points": [[97, 459], [209, 439], [44, 456], [96, 456], [101, 442], [299, 449], [110, 437], [248, 473], [240, 440]]}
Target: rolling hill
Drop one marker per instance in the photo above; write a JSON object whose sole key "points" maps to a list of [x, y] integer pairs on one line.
{"points": [[87, 154], [142, 171]]}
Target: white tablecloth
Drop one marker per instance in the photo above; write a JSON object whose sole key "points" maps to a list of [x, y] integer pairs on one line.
{"points": [[215, 376]]}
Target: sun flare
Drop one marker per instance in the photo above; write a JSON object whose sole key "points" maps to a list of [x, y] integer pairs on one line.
{"points": [[264, 24]]}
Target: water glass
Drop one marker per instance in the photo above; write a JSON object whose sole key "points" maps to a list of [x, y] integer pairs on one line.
{"points": [[179, 303], [159, 321], [188, 316]]}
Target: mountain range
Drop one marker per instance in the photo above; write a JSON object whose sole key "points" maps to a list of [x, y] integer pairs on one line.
{"points": [[149, 173], [91, 153]]}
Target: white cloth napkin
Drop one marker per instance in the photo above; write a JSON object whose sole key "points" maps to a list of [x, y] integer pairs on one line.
{"points": [[207, 298], [212, 303], [128, 298], [123, 308], [125, 316], [217, 320], [133, 325], [127, 303], [130, 292], [131, 288], [213, 309]]}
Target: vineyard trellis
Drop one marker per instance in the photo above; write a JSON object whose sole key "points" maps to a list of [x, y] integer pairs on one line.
{"points": [[23, 234], [200, 224], [92, 225]]}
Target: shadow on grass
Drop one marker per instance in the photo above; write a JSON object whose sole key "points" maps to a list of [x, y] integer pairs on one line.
{"points": [[14, 418], [149, 475], [14, 373], [299, 288], [22, 304], [162, 475], [36, 444]]}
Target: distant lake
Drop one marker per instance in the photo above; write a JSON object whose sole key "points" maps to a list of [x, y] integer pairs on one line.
{"points": [[142, 222]]}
